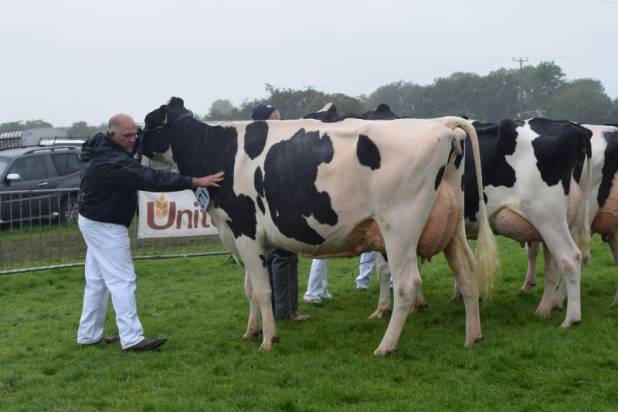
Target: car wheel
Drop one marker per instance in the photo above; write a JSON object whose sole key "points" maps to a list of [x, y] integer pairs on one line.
{"points": [[69, 209]]}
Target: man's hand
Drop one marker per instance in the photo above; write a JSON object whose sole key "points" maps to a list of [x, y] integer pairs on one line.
{"points": [[208, 181]]}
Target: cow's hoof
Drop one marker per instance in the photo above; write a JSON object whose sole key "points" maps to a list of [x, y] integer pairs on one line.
{"points": [[266, 346], [472, 341], [377, 314], [251, 335], [380, 313], [568, 322], [419, 307], [383, 352], [527, 286], [545, 313]]}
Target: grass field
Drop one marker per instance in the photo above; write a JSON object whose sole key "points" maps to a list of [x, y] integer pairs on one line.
{"points": [[525, 363]]}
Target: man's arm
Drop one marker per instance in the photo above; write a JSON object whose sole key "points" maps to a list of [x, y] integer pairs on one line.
{"points": [[130, 173]]}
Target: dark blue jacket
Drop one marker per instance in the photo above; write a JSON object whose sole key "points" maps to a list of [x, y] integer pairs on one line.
{"points": [[111, 179]]}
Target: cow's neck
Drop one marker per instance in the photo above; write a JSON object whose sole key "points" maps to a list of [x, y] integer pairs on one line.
{"points": [[201, 150]]}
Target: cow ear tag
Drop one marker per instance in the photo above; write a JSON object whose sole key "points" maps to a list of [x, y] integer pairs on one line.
{"points": [[201, 193]]}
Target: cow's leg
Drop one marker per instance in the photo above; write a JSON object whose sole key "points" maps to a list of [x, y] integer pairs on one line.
{"points": [[549, 220], [401, 233], [253, 324], [568, 258], [384, 276], [532, 250], [419, 301], [261, 293], [406, 280], [461, 260], [552, 279], [612, 241]]}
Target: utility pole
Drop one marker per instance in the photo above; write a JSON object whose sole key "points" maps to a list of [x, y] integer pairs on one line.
{"points": [[521, 61]]}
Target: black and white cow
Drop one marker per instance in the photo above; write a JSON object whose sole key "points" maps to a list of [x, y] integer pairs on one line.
{"points": [[531, 194], [528, 172], [602, 199], [325, 190]]}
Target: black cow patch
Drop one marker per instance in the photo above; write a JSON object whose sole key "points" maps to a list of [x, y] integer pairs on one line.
{"points": [[495, 143], [561, 145], [439, 177], [610, 166], [290, 172], [255, 138], [367, 152], [258, 181], [260, 204], [202, 150]]}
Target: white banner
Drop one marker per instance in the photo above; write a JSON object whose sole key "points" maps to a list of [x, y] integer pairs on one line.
{"points": [[172, 214]]}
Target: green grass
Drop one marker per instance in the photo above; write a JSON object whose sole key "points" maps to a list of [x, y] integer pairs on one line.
{"points": [[524, 363]]}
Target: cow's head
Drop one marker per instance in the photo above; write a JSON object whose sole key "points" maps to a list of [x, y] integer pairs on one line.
{"points": [[158, 131]]}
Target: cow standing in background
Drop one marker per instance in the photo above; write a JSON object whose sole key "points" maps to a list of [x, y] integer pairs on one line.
{"points": [[324, 190], [602, 199]]}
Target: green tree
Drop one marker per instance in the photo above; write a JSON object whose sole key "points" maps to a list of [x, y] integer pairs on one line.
{"points": [[403, 98], [82, 129], [541, 83], [23, 125], [582, 100], [612, 117], [222, 109]]}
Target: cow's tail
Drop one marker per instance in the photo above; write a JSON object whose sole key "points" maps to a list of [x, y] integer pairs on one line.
{"points": [[486, 252]]}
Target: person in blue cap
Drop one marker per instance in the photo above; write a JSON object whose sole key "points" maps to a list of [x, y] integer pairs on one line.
{"points": [[282, 265]]}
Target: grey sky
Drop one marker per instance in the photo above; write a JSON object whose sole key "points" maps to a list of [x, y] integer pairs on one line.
{"points": [[64, 61]]}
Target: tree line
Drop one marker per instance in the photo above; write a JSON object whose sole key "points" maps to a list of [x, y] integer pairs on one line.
{"points": [[534, 91], [540, 90]]}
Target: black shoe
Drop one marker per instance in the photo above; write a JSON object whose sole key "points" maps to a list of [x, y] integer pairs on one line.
{"points": [[111, 339], [106, 339], [146, 345]]}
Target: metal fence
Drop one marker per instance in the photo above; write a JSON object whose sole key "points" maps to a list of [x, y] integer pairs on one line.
{"points": [[39, 231]]}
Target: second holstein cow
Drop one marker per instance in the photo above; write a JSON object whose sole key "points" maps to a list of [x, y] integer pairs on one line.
{"points": [[325, 190], [602, 200]]}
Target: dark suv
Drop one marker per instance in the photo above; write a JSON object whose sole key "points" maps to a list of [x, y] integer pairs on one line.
{"points": [[39, 182]]}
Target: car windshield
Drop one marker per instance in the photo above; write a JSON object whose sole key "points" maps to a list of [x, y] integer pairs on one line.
{"points": [[4, 162]]}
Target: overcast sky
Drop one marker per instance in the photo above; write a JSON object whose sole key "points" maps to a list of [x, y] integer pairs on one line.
{"points": [[64, 61]]}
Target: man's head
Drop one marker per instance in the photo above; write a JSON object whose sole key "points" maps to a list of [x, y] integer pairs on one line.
{"points": [[265, 112], [122, 130]]}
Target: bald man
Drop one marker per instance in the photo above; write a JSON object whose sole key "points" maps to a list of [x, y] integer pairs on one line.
{"points": [[107, 205]]}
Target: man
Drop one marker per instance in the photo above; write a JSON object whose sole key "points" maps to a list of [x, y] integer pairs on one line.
{"points": [[282, 265], [107, 204]]}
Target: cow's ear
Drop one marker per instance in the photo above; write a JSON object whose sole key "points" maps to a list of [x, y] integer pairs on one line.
{"points": [[176, 102]]}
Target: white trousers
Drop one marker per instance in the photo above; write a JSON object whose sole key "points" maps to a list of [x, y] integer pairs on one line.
{"points": [[108, 270], [318, 280], [318, 277], [365, 268]]}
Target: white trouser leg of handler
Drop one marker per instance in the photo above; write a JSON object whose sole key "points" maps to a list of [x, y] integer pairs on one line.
{"points": [[365, 267], [109, 270], [318, 281]]}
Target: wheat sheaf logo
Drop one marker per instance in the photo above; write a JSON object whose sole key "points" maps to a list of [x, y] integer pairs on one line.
{"points": [[162, 207], [162, 214]]}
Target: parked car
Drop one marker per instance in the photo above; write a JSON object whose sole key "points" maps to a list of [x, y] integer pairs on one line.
{"points": [[46, 180]]}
